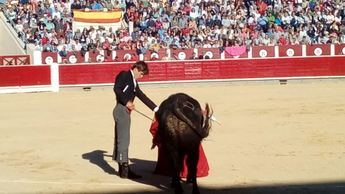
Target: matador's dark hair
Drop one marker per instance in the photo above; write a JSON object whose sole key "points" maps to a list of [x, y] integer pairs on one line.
{"points": [[141, 66]]}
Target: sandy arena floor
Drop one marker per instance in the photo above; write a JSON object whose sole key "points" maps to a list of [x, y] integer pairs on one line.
{"points": [[273, 139]]}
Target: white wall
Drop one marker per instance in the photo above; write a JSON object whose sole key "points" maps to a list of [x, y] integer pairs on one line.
{"points": [[10, 44]]}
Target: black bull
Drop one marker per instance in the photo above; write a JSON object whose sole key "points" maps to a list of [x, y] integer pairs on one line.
{"points": [[182, 126]]}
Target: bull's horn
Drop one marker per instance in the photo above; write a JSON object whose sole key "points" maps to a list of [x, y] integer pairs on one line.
{"points": [[213, 118]]}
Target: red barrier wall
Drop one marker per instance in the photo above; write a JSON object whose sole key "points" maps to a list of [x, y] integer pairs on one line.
{"points": [[93, 73], [104, 73], [25, 75], [207, 69]]}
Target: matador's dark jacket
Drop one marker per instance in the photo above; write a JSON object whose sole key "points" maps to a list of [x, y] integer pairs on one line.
{"points": [[126, 88]]}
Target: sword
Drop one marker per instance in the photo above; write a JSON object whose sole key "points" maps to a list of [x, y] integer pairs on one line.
{"points": [[143, 114], [212, 118]]}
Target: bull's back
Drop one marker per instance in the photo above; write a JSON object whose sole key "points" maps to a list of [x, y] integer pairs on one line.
{"points": [[184, 107], [180, 133]]}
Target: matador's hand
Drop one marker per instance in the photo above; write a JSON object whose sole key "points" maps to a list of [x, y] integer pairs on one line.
{"points": [[130, 105]]}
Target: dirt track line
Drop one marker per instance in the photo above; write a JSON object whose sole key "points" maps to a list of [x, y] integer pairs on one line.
{"points": [[66, 183]]}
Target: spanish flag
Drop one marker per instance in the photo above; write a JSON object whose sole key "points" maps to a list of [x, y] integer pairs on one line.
{"points": [[92, 16]]}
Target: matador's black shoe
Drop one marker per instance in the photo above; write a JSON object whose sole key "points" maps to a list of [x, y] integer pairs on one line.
{"points": [[126, 173]]}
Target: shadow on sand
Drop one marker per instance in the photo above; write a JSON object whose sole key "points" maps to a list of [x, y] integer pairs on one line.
{"points": [[96, 157], [142, 167], [145, 168]]}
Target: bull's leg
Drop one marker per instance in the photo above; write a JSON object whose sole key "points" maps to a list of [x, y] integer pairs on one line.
{"points": [[177, 163], [176, 183], [192, 162]]}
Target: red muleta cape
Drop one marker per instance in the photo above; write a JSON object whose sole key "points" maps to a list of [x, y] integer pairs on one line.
{"points": [[163, 166]]}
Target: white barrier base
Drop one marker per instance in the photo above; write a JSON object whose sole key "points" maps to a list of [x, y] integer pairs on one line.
{"points": [[25, 89]]}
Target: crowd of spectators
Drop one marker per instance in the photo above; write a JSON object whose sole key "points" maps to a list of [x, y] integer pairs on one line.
{"points": [[179, 23]]}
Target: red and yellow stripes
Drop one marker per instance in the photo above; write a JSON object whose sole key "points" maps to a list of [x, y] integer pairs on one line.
{"points": [[97, 16]]}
